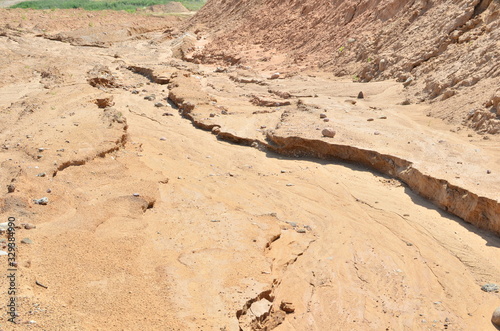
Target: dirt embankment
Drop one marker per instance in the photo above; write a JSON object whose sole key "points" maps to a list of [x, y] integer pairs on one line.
{"points": [[444, 51]]}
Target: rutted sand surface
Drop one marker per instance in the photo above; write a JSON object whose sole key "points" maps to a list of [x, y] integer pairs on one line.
{"points": [[216, 225]]}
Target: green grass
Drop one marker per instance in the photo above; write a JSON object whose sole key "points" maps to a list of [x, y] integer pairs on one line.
{"points": [[128, 5]]}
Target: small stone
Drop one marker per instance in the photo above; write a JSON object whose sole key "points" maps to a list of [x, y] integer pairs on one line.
{"points": [[163, 138], [41, 149], [488, 172], [469, 135], [490, 287], [407, 81], [135, 92], [216, 129], [326, 120], [383, 117], [301, 230], [215, 221], [167, 114], [293, 224], [370, 119], [322, 115], [136, 194], [328, 132], [29, 226], [405, 103], [159, 104], [361, 95], [289, 184], [376, 133], [212, 114], [11, 188], [287, 307], [263, 126], [495, 318], [41, 201], [276, 75], [283, 171], [42, 174], [26, 241], [149, 97], [49, 190]]}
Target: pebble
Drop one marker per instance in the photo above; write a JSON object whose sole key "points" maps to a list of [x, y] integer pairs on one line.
{"points": [[11, 188], [42, 174], [159, 104], [361, 95], [215, 221], [149, 97], [488, 172], [289, 184], [29, 226], [376, 133], [275, 75], [26, 241], [323, 115], [495, 318], [41, 201], [135, 92], [49, 190], [167, 114], [370, 119], [383, 117], [301, 230], [490, 287], [283, 171], [326, 120], [328, 132], [136, 194], [212, 114], [163, 138], [293, 224]]}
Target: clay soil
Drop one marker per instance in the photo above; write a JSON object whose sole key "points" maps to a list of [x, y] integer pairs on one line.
{"points": [[204, 196]]}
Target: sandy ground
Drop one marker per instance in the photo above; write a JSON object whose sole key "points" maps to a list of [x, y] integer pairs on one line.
{"points": [[152, 223]]}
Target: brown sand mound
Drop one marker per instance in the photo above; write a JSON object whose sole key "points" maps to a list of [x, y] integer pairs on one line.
{"points": [[442, 50]]}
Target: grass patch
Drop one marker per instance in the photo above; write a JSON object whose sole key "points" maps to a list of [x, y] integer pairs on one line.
{"points": [[127, 5]]}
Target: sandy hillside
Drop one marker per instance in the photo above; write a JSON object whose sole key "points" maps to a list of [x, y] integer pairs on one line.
{"points": [[190, 194]]}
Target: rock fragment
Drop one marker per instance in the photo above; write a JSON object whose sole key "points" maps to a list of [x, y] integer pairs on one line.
{"points": [[361, 95], [41, 201], [495, 318], [11, 188], [328, 132], [490, 287]]}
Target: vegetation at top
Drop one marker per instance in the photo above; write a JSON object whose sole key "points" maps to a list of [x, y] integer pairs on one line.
{"points": [[127, 5]]}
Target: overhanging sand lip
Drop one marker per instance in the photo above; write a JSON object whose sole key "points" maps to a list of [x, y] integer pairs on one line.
{"points": [[427, 177]]}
